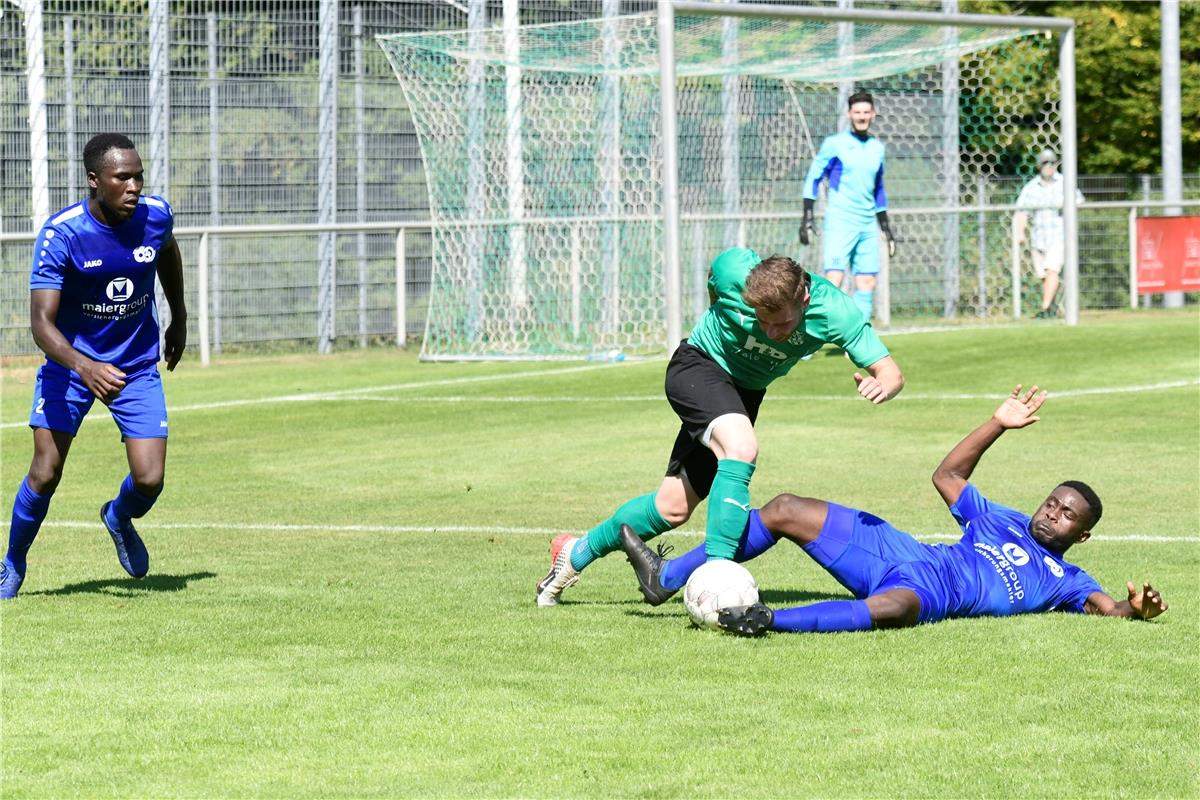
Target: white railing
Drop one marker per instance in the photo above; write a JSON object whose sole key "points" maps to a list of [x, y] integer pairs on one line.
{"points": [[401, 230], [202, 263]]}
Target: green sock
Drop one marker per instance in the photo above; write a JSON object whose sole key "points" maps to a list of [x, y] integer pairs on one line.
{"points": [[728, 508], [639, 513]]}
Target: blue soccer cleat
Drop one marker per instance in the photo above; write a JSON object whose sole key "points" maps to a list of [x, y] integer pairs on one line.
{"points": [[131, 552], [10, 580]]}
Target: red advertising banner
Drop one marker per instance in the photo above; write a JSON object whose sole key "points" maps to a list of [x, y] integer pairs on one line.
{"points": [[1168, 254]]}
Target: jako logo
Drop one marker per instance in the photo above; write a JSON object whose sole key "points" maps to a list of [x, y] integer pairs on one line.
{"points": [[95, 262], [144, 254], [119, 289], [1015, 555]]}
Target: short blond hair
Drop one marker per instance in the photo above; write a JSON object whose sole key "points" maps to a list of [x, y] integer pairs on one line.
{"points": [[775, 284]]}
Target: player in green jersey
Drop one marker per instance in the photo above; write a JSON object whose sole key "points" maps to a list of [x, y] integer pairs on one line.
{"points": [[765, 315]]}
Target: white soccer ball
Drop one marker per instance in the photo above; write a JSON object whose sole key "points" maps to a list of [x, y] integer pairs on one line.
{"points": [[716, 585]]}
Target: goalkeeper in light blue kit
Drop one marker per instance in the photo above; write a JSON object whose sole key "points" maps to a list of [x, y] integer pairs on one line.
{"points": [[92, 312], [1006, 562], [852, 164]]}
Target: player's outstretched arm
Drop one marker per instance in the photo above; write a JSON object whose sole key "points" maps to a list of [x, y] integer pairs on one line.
{"points": [[103, 380], [884, 381], [1017, 411], [1144, 604]]}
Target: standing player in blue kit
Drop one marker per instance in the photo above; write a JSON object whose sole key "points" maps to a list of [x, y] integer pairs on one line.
{"points": [[93, 314]]}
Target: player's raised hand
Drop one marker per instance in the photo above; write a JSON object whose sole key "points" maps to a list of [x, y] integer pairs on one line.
{"points": [[1019, 411], [1147, 603], [103, 380]]}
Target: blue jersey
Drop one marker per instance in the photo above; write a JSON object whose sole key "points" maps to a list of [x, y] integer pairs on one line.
{"points": [[854, 169], [106, 277], [998, 568]]}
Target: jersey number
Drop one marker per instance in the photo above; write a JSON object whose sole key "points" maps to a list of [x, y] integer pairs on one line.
{"points": [[41, 402]]}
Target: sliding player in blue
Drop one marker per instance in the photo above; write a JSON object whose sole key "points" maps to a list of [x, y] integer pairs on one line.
{"points": [[765, 315], [852, 164], [92, 312], [1006, 562]]}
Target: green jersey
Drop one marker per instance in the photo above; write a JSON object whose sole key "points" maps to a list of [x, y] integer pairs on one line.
{"points": [[729, 330]]}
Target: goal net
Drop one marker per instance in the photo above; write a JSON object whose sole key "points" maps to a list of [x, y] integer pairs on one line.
{"points": [[543, 156]]}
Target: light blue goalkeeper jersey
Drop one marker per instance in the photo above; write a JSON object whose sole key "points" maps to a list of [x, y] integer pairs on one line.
{"points": [[854, 169]]}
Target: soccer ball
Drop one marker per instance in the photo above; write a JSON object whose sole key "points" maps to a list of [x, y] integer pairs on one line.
{"points": [[716, 585]]}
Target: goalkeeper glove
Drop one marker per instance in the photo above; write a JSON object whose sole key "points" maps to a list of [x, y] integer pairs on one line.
{"points": [[807, 224], [887, 232]]}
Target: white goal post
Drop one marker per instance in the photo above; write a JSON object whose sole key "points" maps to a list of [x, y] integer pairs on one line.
{"points": [[582, 175]]}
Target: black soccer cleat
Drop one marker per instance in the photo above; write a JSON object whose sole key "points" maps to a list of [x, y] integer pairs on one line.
{"points": [[648, 565], [752, 620]]}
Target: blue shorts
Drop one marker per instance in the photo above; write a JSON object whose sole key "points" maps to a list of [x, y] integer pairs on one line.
{"points": [[851, 249], [868, 556], [61, 401]]}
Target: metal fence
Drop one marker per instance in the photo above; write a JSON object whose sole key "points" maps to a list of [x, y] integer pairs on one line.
{"points": [[225, 102], [228, 102], [390, 307]]}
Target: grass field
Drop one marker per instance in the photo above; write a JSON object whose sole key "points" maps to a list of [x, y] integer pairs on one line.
{"points": [[342, 567]]}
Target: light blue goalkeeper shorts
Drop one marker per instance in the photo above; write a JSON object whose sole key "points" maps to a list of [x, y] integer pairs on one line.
{"points": [[853, 250]]}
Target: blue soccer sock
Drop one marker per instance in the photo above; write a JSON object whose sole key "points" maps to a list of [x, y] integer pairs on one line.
{"points": [[755, 542], [130, 503], [29, 509], [640, 513], [865, 300], [728, 507], [828, 617]]}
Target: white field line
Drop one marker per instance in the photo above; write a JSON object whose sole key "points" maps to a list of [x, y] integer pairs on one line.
{"points": [[367, 394], [849, 395], [494, 529], [309, 397]]}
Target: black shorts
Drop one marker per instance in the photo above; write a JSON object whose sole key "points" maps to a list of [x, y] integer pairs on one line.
{"points": [[700, 391]]}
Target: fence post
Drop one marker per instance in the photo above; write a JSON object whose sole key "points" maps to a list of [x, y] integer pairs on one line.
{"points": [[69, 89], [327, 174], [202, 296], [401, 289], [1016, 278], [883, 284], [159, 98], [39, 145], [1133, 278], [576, 287], [360, 172], [981, 198]]}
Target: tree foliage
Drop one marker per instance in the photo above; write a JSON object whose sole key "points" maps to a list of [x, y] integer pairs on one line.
{"points": [[1118, 70]]}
